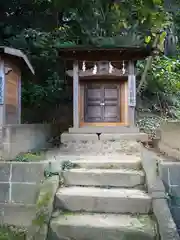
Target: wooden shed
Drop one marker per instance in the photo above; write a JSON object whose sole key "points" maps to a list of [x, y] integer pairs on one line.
{"points": [[104, 86], [12, 63]]}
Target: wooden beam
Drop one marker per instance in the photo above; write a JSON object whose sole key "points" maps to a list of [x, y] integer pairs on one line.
{"points": [[106, 54], [75, 94], [19, 100], [2, 90]]}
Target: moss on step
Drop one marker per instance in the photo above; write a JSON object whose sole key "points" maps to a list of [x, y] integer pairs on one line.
{"points": [[68, 213], [109, 166], [66, 165]]}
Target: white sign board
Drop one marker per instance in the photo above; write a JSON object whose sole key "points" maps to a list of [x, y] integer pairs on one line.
{"points": [[132, 90]]}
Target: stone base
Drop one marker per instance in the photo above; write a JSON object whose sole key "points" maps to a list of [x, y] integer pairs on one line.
{"points": [[115, 129], [79, 137]]}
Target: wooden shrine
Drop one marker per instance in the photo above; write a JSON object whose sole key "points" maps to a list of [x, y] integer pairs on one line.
{"points": [[12, 63], [104, 85]]}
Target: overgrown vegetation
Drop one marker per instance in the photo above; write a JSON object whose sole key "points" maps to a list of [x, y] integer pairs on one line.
{"points": [[40, 27], [44, 206], [34, 156], [12, 233]]}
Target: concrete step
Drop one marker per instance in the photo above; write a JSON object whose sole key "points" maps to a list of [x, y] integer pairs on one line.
{"points": [[103, 162], [85, 226], [79, 137], [110, 129], [91, 199], [104, 177]]}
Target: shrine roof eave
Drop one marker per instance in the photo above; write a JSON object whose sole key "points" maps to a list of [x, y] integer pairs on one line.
{"points": [[82, 53], [17, 54]]}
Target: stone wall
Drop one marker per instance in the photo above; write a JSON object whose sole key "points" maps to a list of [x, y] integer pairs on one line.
{"points": [[23, 189], [23, 138], [169, 143], [19, 189], [166, 225], [19, 182], [170, 174]]}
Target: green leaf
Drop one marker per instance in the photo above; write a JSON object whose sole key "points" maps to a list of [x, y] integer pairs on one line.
{"points": [[147, 39], [157, 2], [162, 37]]}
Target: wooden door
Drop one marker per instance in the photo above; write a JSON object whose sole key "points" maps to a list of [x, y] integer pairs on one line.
{"points": [[102, 103]]}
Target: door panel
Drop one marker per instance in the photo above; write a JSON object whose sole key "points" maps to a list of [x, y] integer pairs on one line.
{"points": [[111, 100], [94, 114], [110, 93], [110, 114], [94, 94], [93, 98]]}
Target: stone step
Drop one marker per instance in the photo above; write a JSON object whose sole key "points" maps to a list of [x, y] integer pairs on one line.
{"points": [[103, 162], [104, 177], [78, 137], [110, 129], [101, 147], [91, 199], [87, 226]]}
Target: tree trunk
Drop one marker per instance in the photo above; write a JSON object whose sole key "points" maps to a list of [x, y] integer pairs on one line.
{"points": [[147, 67]]}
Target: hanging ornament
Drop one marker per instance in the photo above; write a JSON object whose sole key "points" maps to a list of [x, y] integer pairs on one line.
{"points": [[110, 67], [123, 69], [84, 66], [95, 69]]}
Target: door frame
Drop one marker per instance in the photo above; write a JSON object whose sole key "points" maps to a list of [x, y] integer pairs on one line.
{"points": [[123, 89]]}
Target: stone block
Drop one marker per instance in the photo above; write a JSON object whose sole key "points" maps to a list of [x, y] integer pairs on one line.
{"points": [[27, 172], [163, 171], [4, 192], [24, 193], [175, 196], [4, 172], [174, 170], [175, 211], [177, 224], [17, 215], [168, 151], [166, 225], [158, 195], [126, 136], [78, 137], [175, 191]]}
